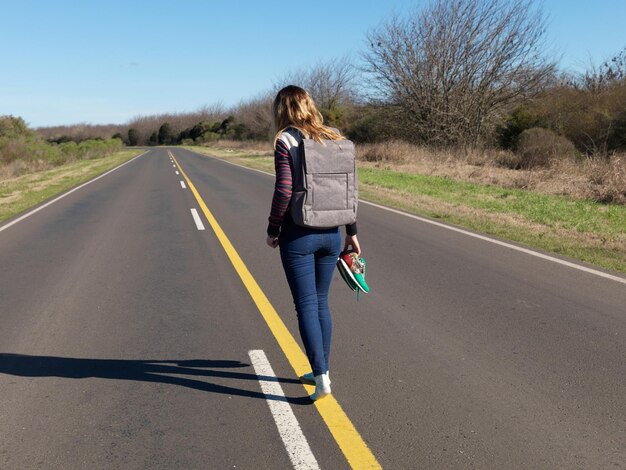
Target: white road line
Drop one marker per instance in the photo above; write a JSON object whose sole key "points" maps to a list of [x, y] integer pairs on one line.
{"points": [[177, 172], [196, 219], [174, 166], [288, 427], [182, 185], [37, 209], [464, 232]]}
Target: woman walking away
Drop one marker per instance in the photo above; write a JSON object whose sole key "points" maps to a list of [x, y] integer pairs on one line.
{"points": [[308, 255]]}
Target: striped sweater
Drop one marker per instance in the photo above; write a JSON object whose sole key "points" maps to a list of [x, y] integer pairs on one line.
{"points": [[283, 165]]}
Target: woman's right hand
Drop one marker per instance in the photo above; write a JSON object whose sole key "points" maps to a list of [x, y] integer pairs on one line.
{"points": [[352, 240]]}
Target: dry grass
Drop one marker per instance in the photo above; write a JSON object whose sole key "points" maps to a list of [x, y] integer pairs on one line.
{"points": [[597, 180], [247, 145], [14, 188], [18, 168], [602, 180], [539, 148], [18, 193]]}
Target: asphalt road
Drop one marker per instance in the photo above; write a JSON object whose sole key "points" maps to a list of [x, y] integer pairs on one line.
{"points": [[126, 334]]}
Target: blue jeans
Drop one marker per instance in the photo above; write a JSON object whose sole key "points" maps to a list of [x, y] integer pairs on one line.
{"points": [[309, 257]]}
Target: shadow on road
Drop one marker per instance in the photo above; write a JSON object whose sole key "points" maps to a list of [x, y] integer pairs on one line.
{"points": [[143, 371]]}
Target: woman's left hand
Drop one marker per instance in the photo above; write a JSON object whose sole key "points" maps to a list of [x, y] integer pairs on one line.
{"points": [[272, 242]]}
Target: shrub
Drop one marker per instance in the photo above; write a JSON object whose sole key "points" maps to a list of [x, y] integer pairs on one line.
{"points": [[11, 149], [516, 123], [23, 150], [68, 148], [370, 124], [394, 151], [18, 142], [11, 127], [606, 180], [537, 147]]}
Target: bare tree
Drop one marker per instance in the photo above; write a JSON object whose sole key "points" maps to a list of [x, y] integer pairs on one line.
{"points": [[254, 117], [331, 83], [610, 72], [454, 65]]}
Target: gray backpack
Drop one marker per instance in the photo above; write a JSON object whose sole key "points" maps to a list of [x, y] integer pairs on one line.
{"points": [[324, 181]]}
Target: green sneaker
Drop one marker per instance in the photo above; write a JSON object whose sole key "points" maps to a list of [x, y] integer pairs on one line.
{"points": [[352, 270]]}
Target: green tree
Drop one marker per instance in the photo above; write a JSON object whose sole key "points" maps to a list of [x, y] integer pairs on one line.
{"points": [[225, 125], [133, 136], [11, 126], [154, 138], [166, 134], [199, 130]]}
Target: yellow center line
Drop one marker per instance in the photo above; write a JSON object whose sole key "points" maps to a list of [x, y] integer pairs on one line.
{"points": [[345, 434]]}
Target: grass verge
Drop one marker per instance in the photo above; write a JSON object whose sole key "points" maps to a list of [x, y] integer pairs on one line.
{"points": [[21, 193], [584, 230]]}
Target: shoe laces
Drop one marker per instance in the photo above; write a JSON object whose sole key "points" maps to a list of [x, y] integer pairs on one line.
{"points": [[358, 264]]}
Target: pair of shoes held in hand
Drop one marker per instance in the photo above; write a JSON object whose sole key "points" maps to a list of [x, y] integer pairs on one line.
{"points": [[352, 269]]}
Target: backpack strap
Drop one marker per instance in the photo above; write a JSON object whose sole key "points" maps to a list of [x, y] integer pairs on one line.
{"points": [[290, 137]]}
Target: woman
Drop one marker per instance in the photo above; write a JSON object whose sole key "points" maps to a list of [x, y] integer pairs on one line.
{"points": [[308, 255]]}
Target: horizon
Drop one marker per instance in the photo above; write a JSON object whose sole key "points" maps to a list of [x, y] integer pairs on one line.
{"points": [[150, 59]]}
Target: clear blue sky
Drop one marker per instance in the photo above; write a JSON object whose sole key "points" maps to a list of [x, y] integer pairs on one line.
{"points": [[93, 61]]}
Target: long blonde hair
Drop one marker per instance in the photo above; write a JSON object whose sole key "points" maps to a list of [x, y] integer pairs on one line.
{"points": [[294, 107]]}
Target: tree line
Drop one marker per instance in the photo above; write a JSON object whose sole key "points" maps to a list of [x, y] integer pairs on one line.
{"points": [[26, 150], [465, 74]]}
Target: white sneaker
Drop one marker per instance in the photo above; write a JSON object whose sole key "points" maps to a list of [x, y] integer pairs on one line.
{"points": [[309, 378], [322, 387]]}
